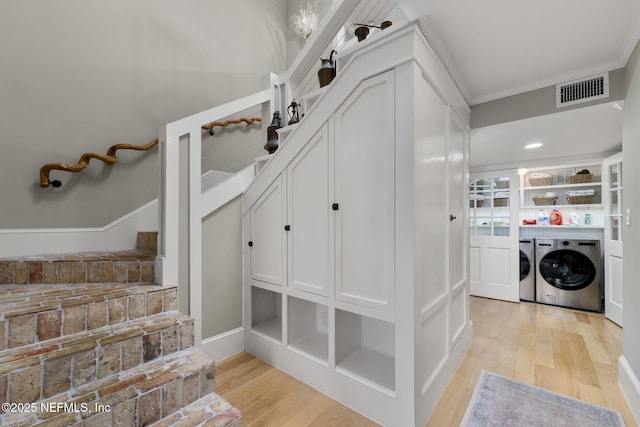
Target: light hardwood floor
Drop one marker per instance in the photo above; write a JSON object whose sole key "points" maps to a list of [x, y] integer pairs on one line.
{"points": [[570, 352]]}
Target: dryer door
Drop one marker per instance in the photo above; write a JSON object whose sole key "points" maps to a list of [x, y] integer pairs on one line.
{"points": [[567, 270], [525, 266]]}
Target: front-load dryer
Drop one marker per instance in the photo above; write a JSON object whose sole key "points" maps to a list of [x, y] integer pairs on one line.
{"points": [[527, 269], [569, 273]]}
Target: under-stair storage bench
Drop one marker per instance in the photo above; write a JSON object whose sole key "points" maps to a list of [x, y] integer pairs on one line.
{"points": [[356, 235]]}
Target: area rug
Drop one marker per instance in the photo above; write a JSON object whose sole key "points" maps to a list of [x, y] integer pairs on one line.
{"points": [[500, 401]]}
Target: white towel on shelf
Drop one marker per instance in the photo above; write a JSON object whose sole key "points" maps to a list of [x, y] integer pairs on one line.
{"points": [[581, 192], [538, 175], [501, 195], [476, 197]]}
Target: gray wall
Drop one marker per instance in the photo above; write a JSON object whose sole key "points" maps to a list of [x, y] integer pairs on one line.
{"points": [[222, 270], [81, 75], [631, 200], [536, 103]]}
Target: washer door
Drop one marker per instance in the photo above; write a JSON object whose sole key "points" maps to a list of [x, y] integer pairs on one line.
{"points": [[525, 266], [567, 270]]}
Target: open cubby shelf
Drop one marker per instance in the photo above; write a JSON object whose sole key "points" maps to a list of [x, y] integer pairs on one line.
{"points": [[370, 366], [364, 349], [266, 313], [308, 323]]}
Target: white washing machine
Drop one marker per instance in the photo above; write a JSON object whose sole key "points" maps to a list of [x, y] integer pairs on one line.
{"points": [[569, 273], [527, 269]]}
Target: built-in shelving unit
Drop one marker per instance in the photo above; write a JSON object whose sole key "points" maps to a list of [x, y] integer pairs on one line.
{"points": [[560, 186], [346, 283], [266, 313], [308, 328], [365, 349]]}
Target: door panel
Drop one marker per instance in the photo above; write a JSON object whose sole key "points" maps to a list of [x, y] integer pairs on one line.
{"points": [[365, 244], [494, 238], [267, 236], [612, 185], [308, 187]]}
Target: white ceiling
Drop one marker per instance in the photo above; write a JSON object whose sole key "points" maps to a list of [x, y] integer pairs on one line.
{"points": [[503, 47], [497, 48], [585, 133]]}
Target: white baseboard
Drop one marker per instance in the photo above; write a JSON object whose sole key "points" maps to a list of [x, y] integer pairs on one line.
{"points": [[120, 234], [224, 345], [630, 386]]}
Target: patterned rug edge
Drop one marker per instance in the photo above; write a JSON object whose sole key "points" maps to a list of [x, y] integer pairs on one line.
{"points": [[478, 389]]}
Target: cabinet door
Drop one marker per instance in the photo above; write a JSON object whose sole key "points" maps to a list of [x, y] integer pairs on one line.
{"points": [[308, 205], [458, 225], [364, 163], [267, 235]]}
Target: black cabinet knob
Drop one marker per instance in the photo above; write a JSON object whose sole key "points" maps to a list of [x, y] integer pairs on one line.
{"points": [[451, 218], [250, 243], [335, 206], [287, 227]]}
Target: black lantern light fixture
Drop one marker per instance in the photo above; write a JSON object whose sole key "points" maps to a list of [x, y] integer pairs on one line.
{"points": [[272, 135]]}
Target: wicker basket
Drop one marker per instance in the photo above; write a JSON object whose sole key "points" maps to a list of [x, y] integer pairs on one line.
{"points": [[544, 201], [540, 182], [580, 200], [500, 203], [582, 178], [478, 203]]}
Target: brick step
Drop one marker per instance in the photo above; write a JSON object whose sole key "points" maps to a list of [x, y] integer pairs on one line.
{"points": [[37, 372], [38, 313], [211, 411], [137, 397], [126, 266], [147, 240]]}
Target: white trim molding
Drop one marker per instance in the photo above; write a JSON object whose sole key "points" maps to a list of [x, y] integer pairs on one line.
{"points": [[119, 234], [630, 386], [224, 345]]}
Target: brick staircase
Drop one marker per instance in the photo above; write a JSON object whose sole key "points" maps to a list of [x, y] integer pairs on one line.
{"points": [[100, 345]]}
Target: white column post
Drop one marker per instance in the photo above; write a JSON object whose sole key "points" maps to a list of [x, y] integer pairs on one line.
{"points": [[167, 262], [195, 231]]}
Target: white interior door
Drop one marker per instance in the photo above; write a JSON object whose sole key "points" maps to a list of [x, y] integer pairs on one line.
{"points": [[612, 180], [493, 241]]}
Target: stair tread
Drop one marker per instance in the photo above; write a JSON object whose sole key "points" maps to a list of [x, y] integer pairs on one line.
{"points": [[210, 410], [26, 298], [89, 256], [189, 370], [33, 354]]}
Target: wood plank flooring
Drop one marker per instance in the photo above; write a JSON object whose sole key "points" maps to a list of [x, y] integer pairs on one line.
{"points": [[570, 352]]}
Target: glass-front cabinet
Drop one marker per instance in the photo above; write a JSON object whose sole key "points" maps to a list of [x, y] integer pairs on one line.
{"points": [[490, 206], [614, 214]]}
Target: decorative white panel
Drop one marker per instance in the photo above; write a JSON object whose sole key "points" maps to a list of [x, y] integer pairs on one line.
{"points": [[431, 210], [364, 146], [434, 345], [458, 232], [458, 313], [614, 275], [474, 261], [309, 209], [498, 262], [268, 245]]}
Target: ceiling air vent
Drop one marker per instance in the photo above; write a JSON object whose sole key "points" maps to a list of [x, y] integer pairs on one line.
{"points": [[582, 90]]}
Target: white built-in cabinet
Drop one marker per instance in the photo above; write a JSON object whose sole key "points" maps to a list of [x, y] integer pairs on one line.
{"points": [[364, 171], [356, 238]]}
